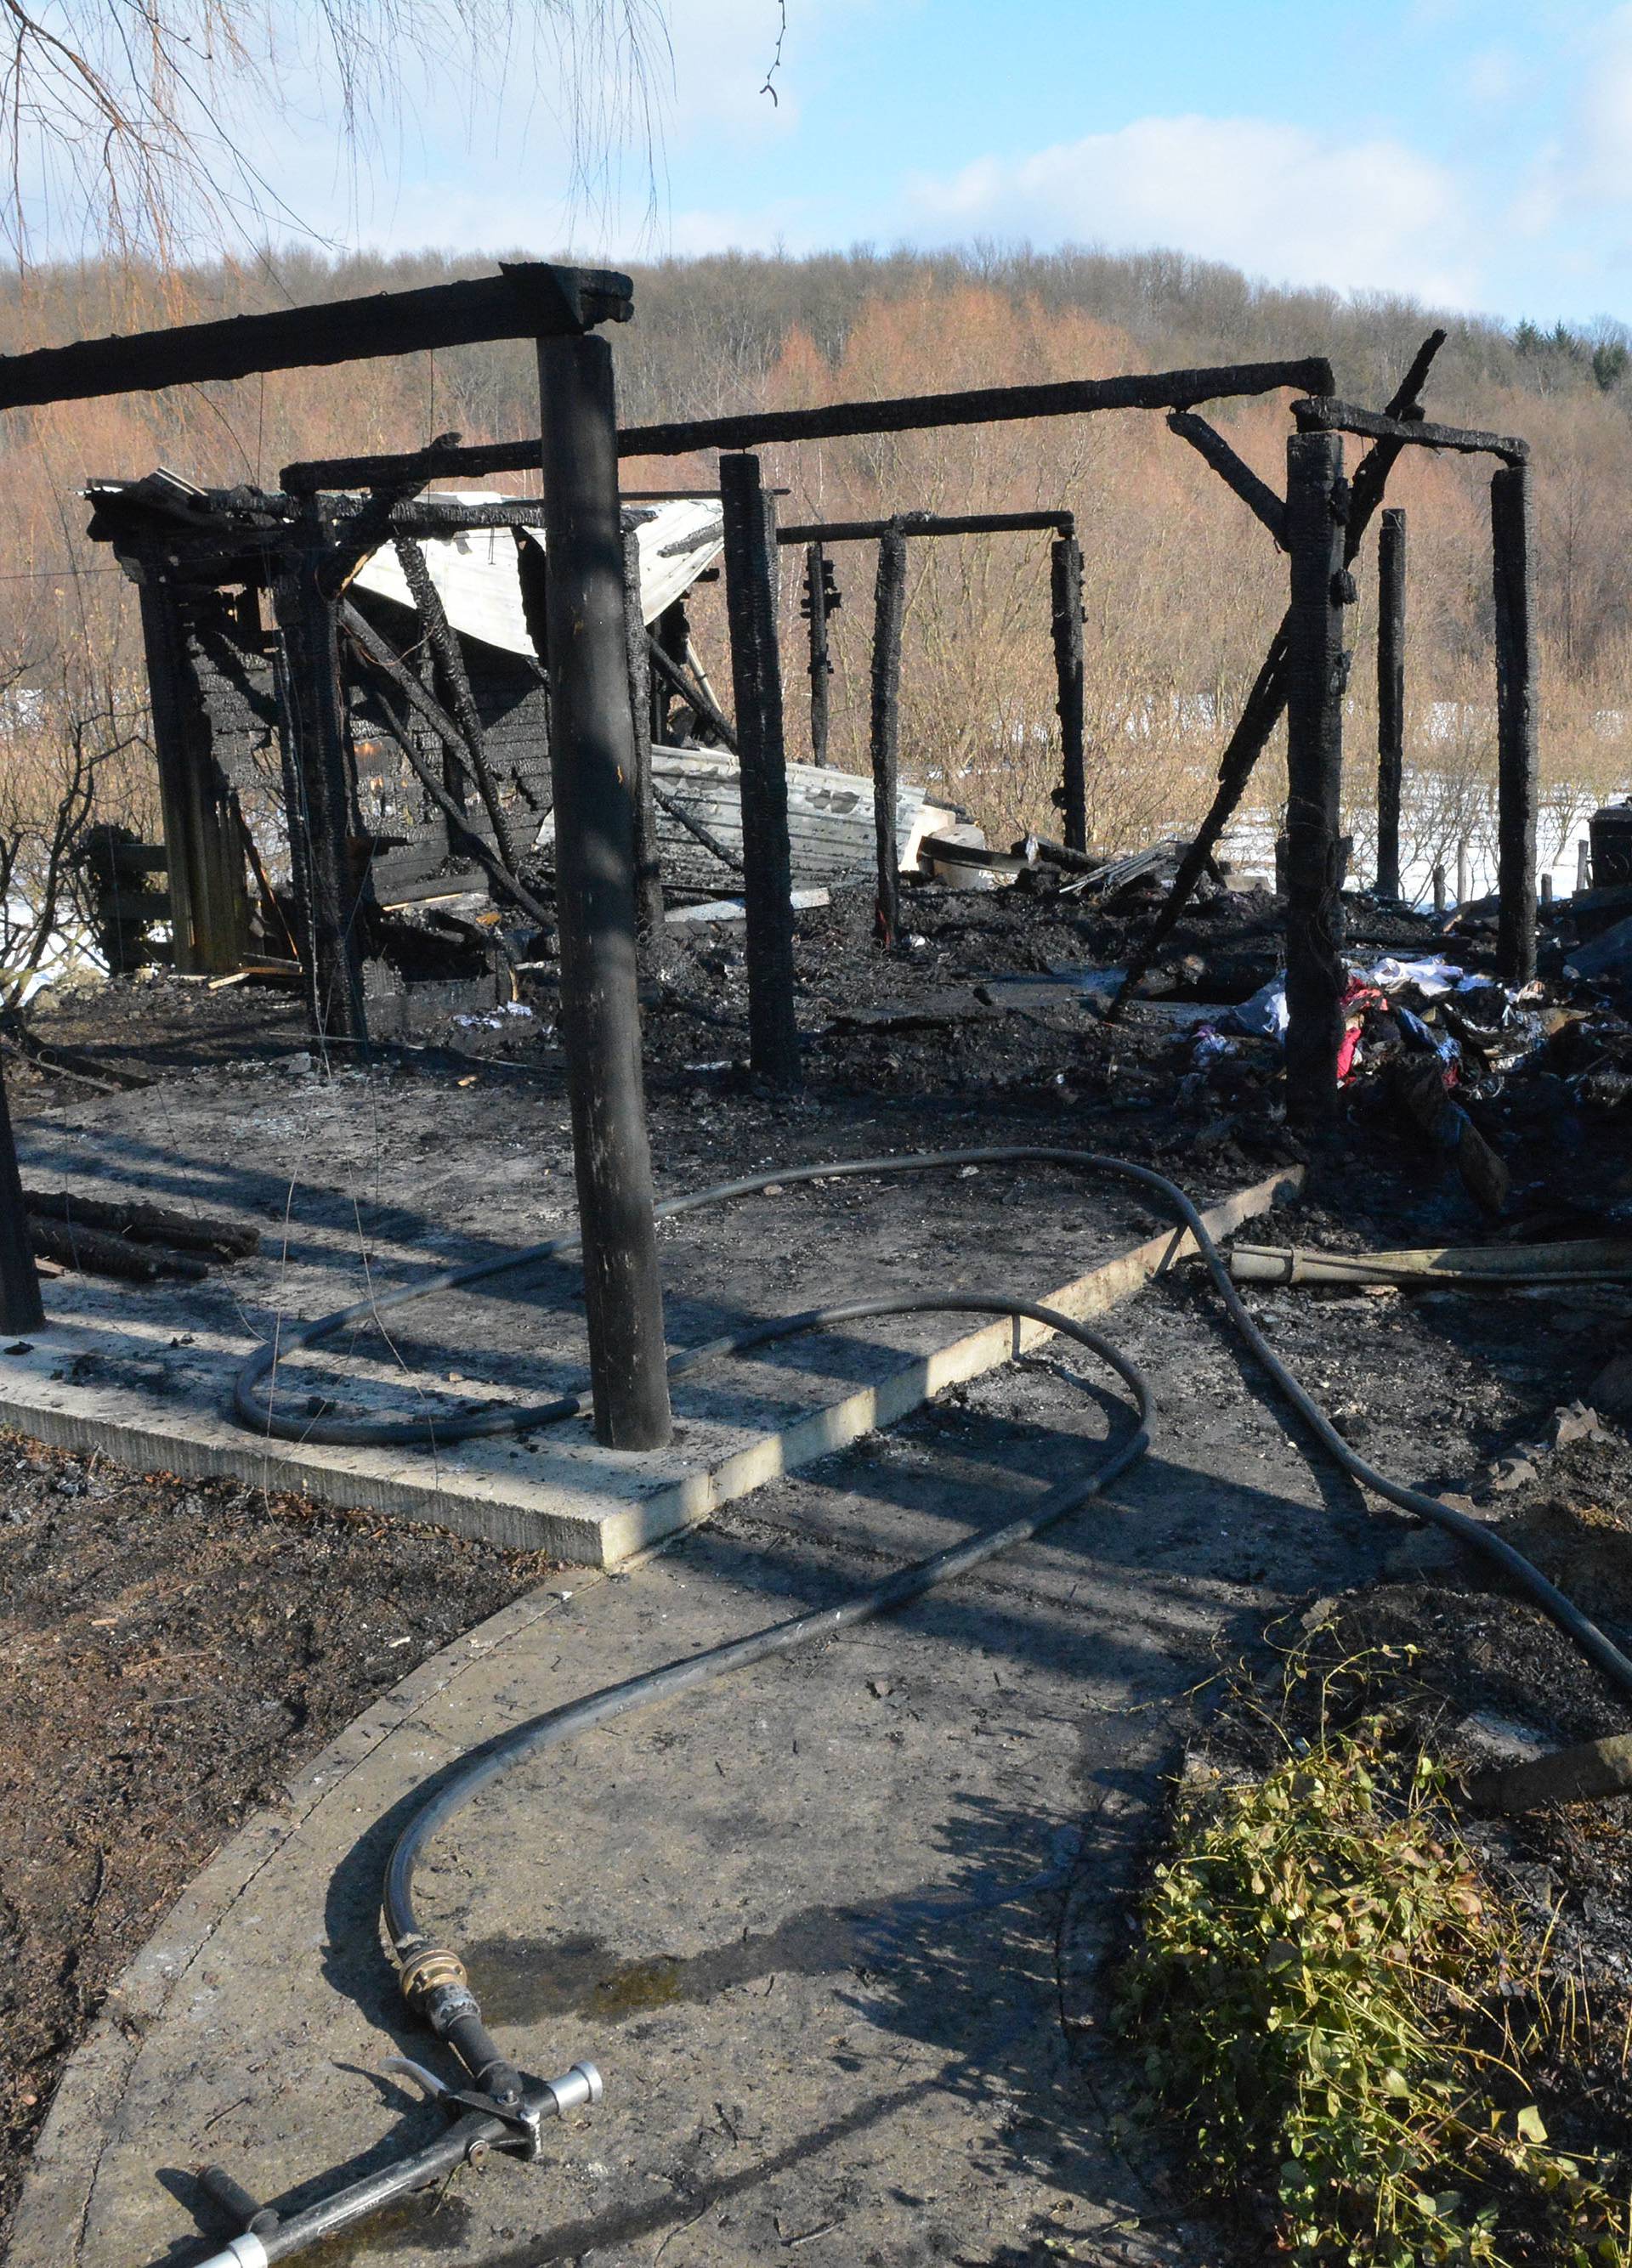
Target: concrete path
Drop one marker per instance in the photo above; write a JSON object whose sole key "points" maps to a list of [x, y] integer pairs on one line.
{"points": [[831, 1928]]}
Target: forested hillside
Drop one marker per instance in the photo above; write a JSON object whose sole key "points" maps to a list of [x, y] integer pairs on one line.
{"points": [[1183, 587]]}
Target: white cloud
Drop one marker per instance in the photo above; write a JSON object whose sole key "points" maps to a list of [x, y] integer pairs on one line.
{"points": [[1282, 201]]}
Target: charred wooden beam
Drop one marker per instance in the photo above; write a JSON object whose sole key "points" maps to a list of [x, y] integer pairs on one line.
{"points": [[1325, 415], [21, 1306], [1172, 389], [889, 615], [931, 523], [756, 677], [1391, 697], [648, 872], [1212, 447], [526, 299], [1066, 596], [1316, 673], [592, 757], [1517, 757]]}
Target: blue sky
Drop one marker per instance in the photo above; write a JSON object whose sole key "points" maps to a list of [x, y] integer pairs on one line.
{"points": [[1478, 156]]}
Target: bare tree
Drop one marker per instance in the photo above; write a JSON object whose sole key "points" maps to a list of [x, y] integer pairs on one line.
{"points": [[131, 125]]}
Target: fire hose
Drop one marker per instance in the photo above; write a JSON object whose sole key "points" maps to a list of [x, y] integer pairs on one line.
{"points": [[496, 2106]]}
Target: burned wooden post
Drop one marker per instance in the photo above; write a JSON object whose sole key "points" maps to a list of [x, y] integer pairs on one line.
{"points": [[1517, 755], [20, 1308], [1316, 670], [889, 614], [820, 599], [1066, 586], [648, 872], [203, 851], [750, 553], [592, 762], [1390, 696], [321, 833]]}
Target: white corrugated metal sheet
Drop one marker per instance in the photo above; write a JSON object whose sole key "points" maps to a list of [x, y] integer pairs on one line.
{"points": [[830, 821], [475, 572]]}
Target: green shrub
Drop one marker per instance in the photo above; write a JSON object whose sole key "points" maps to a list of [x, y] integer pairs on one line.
{"points": [[1344, 2021]]}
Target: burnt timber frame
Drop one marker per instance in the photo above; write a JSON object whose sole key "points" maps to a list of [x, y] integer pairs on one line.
{"points": [[1065, 627], [592, 744], [750, 586]]}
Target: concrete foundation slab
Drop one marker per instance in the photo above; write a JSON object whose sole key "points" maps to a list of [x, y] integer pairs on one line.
{"points": [[144, 1373]]}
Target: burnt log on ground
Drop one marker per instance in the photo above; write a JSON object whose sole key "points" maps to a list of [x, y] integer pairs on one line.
{"points": [[143, 1224]]}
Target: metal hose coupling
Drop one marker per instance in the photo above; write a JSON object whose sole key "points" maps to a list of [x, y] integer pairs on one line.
{"points": [[436, 1986]]}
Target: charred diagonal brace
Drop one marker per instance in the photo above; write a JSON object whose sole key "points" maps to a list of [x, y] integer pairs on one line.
{"points": [[695, 828], [504, 883], [1265, 704], [681, 682], [1210, 445], [428, 601]]}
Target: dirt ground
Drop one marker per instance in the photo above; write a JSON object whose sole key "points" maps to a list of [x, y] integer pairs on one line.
{"points": [[167, 1651], [170, 1651]]}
